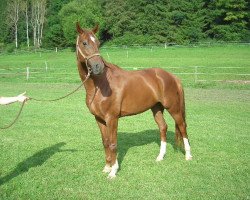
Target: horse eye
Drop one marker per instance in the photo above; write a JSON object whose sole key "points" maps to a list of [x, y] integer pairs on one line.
{"points": [[84, 43]]}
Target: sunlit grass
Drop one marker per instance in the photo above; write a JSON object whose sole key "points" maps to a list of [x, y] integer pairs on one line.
{"points": [[197, 66], [55, 150]]}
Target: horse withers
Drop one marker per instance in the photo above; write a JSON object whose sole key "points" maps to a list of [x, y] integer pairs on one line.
{"points": [[112, 92]]}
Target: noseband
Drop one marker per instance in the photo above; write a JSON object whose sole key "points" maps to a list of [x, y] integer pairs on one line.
{"points": [[86, 58]]}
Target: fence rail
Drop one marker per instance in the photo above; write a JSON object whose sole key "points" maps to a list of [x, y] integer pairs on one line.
{"points": [[150, 46], [194, 76], [42, 67]]}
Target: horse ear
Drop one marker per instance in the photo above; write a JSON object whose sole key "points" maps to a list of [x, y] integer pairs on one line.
{"points": [[78, 28], [95, 29]]}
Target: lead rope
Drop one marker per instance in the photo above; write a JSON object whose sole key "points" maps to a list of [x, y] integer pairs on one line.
{"points": [[87, 77], [35, 99], [16, 118], [50, 100]]}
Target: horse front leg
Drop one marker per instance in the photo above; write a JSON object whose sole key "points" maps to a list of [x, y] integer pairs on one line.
{"points": [[112, 125], [106, 143]]}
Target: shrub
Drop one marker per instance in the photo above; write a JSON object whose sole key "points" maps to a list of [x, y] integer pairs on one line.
{"points": [[10, 48]]}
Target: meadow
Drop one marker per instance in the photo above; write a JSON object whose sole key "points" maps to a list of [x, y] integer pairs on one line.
{"points": [[54, 151]]}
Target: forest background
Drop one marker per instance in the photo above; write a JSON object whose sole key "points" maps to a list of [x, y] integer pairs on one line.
{"points": [[51, 23]]}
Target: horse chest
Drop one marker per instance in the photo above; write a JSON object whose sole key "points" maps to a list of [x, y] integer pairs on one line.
{"points": [[94, 108], [98, 107]]}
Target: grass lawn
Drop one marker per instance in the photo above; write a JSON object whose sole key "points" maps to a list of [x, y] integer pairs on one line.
{"points": [[55, 151]]}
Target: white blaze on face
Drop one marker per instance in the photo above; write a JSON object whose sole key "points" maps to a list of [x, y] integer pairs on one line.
{"points": [[92, 38]]}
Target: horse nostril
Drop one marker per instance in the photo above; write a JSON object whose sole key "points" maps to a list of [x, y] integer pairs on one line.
{"points": [[97, 66]]}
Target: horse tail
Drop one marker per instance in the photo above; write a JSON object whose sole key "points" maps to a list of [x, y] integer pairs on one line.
{"points": [[182, 111], [182, 104]]}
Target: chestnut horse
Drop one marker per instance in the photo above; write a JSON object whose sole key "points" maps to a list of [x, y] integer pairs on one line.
{"points": [[112, 92]]}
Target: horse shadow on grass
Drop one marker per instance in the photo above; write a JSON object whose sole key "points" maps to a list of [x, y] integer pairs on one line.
{"points": [[35, 160], [129, 140]]}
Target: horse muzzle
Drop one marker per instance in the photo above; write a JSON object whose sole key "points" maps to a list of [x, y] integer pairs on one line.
{"points": [[97, 68]]}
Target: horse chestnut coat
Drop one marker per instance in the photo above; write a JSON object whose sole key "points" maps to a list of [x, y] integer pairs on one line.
{"points": [[112, 92]]}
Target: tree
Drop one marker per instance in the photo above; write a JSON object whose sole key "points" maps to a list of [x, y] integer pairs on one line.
{"points": [[3, 24], [38, 10], [227, 20], [87, 12], [53, 28], [13, 14], [26, 10], [123, 21]]}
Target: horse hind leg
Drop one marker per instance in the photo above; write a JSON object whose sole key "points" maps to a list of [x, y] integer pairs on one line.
{"points": [[159, 119], [181, 133]]}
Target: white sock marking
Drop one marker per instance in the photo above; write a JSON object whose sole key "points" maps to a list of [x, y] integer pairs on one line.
{"points": [[162, 151], [114, 169], [187, 149]]}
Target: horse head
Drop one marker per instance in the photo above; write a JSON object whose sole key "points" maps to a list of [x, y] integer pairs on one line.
{"points": [[87, 49]]}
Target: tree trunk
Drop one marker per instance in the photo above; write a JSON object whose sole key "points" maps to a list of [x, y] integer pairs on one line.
{"points": [[16, 35], [27, 25]]}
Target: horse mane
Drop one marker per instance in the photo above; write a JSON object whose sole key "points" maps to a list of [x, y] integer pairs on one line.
{"points": [[111, 66]]}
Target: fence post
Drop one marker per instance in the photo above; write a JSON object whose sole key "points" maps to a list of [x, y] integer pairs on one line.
{"points": [[27, 73], [196, 74], [165, 45], [46, 66], [56, 49]]}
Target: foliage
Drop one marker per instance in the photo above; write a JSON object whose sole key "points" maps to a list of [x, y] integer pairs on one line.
{"points": [[227, 20], [87, 12], [54, 33], [10, 48], [178, 21], [129, 39]]}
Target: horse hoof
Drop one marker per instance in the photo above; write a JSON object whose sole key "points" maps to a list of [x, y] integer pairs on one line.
{"points": [[189, 157], [111, 176], [106, 169], [159, 158]]}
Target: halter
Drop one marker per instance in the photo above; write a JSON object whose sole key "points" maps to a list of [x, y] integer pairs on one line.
{"points": [[86, 58]]}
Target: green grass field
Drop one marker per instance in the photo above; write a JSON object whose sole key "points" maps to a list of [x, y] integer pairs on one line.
{"points": [[55, 151]]}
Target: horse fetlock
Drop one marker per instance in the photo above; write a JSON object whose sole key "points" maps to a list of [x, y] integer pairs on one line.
{"points": [[108, 159], [113, 147]]}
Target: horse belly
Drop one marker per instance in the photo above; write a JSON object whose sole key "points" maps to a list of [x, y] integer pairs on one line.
{"points": [[138, 101]]}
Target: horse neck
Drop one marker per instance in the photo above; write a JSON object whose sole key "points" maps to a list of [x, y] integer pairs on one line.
{"points": [[82, 68]]}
